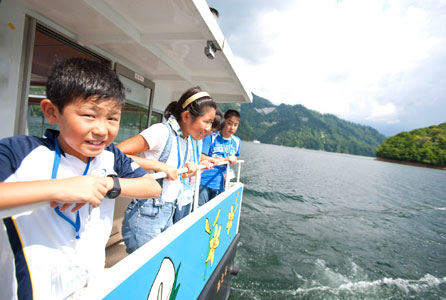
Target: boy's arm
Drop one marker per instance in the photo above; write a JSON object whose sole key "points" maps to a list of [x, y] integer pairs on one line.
{"points": [[213, 160], [140, 187], [232, 159], [80, 189]]}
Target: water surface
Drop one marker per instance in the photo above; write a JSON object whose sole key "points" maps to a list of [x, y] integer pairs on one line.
{"points": [[318, 225]]}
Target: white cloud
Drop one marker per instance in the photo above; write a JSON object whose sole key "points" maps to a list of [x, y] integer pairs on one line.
{"points": [[347, 58], [383, 112]]}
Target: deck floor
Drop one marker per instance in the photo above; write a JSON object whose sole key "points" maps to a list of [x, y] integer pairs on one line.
{"points": [[114, 253]]}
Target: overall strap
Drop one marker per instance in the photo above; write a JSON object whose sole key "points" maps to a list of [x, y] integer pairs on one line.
{"points": [[166, 152], [163, 158], [168, 147]]}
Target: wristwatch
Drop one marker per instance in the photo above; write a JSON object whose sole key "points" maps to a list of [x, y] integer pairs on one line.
{"points": [[116, 190]]}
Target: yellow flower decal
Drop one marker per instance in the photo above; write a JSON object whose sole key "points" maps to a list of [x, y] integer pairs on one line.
{"points": [[231, 214], [213, 244], [213, 241], [207, 228]]}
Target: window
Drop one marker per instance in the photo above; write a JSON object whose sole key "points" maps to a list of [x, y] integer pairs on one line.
{"points": [[156, 117], [48, 47], [133, 121]]}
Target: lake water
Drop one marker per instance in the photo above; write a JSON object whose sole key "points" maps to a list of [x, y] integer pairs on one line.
{"points": [[319, 225]]}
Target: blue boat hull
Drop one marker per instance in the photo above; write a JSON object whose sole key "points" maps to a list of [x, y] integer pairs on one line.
{"points": [[191, 260]]}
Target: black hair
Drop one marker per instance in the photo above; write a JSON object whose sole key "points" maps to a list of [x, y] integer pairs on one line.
{"points": [[80, 78], [232, 113], [195, 108], [218, 120]]}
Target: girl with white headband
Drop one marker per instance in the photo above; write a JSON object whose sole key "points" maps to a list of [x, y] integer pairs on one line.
{"points": [[166, 148]]}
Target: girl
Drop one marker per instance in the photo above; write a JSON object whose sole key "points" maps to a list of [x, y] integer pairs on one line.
{"points": [[165, 148], [188, 184]]}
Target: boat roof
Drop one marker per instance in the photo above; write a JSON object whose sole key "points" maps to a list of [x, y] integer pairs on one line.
{"points": [[162, 39]]}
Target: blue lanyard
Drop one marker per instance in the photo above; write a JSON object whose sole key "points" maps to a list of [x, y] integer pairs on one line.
{"points": [[195, 150], [56, 164], [179, 152]]}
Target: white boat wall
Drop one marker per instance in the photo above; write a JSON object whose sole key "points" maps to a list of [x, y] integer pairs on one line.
{"points": [[159, 48]]}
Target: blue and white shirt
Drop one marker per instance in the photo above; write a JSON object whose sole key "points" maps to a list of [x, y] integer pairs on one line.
{"points": [[216, 145], [40, 257]]}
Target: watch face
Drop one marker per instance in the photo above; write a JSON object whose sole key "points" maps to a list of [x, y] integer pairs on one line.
{"points": [[116, 190], [113, 193]]}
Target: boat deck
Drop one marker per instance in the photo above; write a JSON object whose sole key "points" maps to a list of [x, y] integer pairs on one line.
{"points": [[114, 253]]}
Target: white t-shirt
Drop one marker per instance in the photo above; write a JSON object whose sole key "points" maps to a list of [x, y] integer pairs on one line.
{"points": [[39, 254], [156, 137]]}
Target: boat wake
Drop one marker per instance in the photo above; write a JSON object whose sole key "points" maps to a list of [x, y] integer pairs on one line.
{"points": [[338, 285], [403, 285], [326, 283]]}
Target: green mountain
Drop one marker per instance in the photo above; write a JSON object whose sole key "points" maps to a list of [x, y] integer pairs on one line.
{"points": [[297, 126], [425, 145]]}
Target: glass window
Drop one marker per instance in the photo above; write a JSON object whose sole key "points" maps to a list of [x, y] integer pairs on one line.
{"points": [[37, 123], [48, 47], [156, 118], [133, 121]]}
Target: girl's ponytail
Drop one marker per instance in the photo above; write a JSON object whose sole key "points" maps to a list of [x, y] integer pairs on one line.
{"points": [[170, 109], [194, 100]]}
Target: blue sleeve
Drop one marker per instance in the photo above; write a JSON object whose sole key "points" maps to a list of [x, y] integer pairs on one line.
{"points": [[8, 160], [12, 152], [237, 145], [207, 142], [125, 167]]}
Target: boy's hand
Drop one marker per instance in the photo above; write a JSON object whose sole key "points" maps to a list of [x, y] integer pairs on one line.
{"points": [[171, 172], [192, 169], [232, 160], [217, 160], [80, 190], [76, 207], [207, 164]]}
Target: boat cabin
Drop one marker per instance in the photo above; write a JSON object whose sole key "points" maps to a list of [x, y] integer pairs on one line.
{"points": [[158, 48]]}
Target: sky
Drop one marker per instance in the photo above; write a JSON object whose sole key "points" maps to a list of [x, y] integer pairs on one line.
{"points": [[372, 62]]}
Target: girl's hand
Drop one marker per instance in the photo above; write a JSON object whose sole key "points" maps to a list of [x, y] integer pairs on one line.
{"points": [[192, 169], [171, 172]]}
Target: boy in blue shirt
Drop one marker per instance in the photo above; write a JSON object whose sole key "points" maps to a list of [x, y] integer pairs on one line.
{"points": [[53, 250], [219, 146]]}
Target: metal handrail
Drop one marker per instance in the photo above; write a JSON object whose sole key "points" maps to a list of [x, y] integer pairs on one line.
{"points": [[7, 212]]}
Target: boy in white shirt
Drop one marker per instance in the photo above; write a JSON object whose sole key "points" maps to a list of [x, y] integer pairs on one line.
{"points": [[51, 251]]}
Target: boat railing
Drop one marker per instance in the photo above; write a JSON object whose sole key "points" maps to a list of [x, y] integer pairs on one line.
{"points": [[7, 212]]}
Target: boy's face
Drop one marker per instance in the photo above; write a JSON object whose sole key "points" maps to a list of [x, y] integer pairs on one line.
{"points": [[88, 126], [230, 127]]}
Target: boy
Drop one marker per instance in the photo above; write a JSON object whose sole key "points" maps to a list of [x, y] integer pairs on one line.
{"points": [[219, 146], [50, 252]]}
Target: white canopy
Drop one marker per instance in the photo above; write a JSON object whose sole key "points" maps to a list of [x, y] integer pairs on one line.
{"points": [[162, 39]]}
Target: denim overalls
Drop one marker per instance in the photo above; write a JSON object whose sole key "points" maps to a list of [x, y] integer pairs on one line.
{"points": [[144, 219]]}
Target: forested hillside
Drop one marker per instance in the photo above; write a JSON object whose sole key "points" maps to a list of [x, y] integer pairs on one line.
{"points": [[424, 145], [297, 126]]}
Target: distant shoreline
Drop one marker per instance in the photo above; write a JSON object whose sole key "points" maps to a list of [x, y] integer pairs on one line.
{"points": [[410, 163]]}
